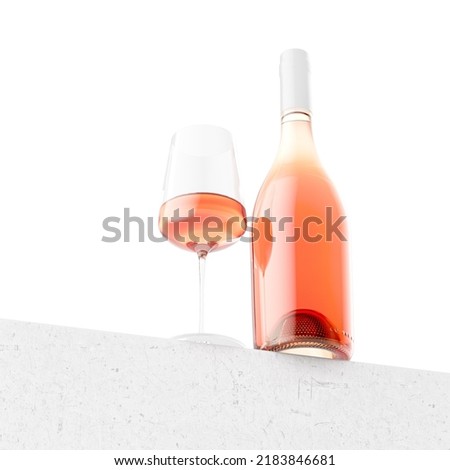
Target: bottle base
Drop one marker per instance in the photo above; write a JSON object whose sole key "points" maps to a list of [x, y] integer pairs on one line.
{"points": [[312, 348], [309, 333]]}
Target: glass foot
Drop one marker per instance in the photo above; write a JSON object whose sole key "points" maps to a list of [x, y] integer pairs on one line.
{"points": [[205, 338]]}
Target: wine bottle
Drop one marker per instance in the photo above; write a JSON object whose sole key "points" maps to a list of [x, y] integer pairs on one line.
{"points": [[299, 245]]}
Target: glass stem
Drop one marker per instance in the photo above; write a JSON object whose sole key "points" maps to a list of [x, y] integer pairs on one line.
{"points": [[201, 298]]}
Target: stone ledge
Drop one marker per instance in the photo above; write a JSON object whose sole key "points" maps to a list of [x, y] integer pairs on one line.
{"points": [[67, 388]]}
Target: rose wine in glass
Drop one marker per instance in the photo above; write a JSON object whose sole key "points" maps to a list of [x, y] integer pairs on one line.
{"points": [[299, 246], [201, 211], [202, 222]]}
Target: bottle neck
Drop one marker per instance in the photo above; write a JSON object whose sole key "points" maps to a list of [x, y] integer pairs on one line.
{"points": [[296, 138]]}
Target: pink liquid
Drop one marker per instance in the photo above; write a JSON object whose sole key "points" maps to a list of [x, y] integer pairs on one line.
{"points": [[300, 288], [202, 221]]}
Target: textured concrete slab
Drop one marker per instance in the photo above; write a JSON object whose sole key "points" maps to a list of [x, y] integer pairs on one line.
{"points": [[64, 388]]}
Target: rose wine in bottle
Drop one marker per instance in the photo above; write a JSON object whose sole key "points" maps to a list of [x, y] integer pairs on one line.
{"points": [[299, 245]]}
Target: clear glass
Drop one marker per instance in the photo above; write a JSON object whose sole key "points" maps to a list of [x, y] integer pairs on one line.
{"points": [[201, 210], [300, 273]]}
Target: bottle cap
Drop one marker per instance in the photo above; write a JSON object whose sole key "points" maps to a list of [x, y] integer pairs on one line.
{"points": [[294, 80]]}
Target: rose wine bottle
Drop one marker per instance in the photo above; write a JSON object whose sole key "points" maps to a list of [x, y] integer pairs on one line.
{"points": [[299, 245]]}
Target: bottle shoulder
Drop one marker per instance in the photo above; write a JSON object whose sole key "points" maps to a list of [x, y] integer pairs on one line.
{"points": [[291, 183]]}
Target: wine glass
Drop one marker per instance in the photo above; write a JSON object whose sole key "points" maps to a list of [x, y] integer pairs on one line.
{"points": [[201, 210]]}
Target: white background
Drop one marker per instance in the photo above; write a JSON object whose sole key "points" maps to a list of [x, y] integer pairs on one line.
{"points": [[91, 92]]}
